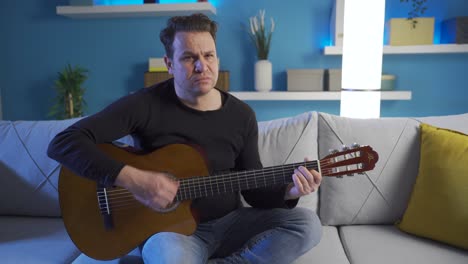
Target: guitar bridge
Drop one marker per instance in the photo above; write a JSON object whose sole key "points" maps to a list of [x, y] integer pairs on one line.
{"points": [[104, 207]]}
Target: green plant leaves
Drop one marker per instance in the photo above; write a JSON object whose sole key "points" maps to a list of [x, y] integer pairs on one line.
{"points": [[69, 102], [418, 9]]}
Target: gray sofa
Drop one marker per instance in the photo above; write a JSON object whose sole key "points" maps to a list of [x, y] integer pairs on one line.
{"points": [[358, 213]]}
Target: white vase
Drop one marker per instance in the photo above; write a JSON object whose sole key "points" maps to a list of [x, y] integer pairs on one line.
{"points": [[263, 76]]}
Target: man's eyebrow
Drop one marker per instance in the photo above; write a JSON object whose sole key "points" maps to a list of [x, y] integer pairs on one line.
{"points": [[185, 53], [188, 53]]}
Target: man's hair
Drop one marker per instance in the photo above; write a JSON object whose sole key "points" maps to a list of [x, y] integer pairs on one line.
{"points": [[192, 23]]}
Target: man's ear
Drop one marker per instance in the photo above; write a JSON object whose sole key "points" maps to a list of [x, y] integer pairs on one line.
{"points": [[168, 63]]}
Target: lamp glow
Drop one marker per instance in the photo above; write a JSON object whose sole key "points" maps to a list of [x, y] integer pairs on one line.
{"points": [[361, 104], [362, 58]]}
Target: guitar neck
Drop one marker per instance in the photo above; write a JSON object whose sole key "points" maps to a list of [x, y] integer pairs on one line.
{"points": [[196, 187]]}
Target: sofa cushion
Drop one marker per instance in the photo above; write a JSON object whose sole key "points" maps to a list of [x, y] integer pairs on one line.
{"points": [[26, 173], [290, 140], [329, 250], [35, 240], [379, 196], [385, 244], [437, 208]]}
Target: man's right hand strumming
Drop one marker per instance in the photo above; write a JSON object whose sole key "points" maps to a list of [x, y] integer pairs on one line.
{"points": [[153, 189]]}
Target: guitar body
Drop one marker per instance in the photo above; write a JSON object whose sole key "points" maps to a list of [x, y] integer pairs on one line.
{"points": [[133, 225]]}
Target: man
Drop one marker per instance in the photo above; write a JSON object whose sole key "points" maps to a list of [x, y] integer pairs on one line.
{"points": [[188, 109]]}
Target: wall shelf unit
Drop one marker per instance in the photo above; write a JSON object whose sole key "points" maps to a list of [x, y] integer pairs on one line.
{"points": [[311, 96], [417, 49], [143, 10]]}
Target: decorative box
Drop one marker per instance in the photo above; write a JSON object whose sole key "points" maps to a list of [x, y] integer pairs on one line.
{"points": [[157, 65], [388, 82], [454, 30], [333, 82], [403, 33], [305, 79]]}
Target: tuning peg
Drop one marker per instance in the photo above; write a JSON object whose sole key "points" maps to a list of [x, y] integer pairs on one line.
{"points": [[359, 166], [344, 148], [340, 177], [350, 175], [333, 151], [355, 145]]}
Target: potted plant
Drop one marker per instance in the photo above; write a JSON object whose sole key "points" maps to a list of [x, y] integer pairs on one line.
{"points": [[69, 102], [418, 9], [414, 29], [261, 38]]}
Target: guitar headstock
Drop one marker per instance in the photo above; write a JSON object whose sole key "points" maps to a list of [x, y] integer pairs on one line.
{"points": [[348, 161]]}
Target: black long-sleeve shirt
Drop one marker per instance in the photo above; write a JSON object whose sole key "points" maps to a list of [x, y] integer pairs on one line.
{"points": [[155, 117]]}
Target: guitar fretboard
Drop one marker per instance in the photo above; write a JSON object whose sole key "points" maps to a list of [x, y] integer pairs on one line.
{"points": [[196, 187]]}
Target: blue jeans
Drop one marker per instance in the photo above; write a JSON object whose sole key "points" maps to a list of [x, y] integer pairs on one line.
{"points": [[246, 235]]}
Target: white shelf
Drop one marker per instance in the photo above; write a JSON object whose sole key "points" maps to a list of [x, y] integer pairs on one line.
{"points": [[307, 96], [417, 49], [143, 10]]}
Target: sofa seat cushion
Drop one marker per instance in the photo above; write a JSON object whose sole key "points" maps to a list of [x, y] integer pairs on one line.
{"points": [[386, 244], [35, 240], [329, 250]]}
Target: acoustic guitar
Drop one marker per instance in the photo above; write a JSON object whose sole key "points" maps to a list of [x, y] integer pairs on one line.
{"points": [[107, 223]]}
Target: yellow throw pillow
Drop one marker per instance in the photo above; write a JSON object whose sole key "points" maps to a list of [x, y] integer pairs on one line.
{"points": [[438, 207]]}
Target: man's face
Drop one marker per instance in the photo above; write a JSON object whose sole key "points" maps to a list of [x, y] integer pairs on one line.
{"points": [[194, 63]]}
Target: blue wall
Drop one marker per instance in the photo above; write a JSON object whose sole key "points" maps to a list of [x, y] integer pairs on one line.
{"points": [[36, 44]]}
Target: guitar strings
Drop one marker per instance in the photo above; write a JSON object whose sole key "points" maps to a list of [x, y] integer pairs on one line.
{"points": [[117, 206], [236, 181], [118, 202], [198, 182], [223, 178], [118, 192], [121, 205], [201, 181], [119, 199], [266, 171]]}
